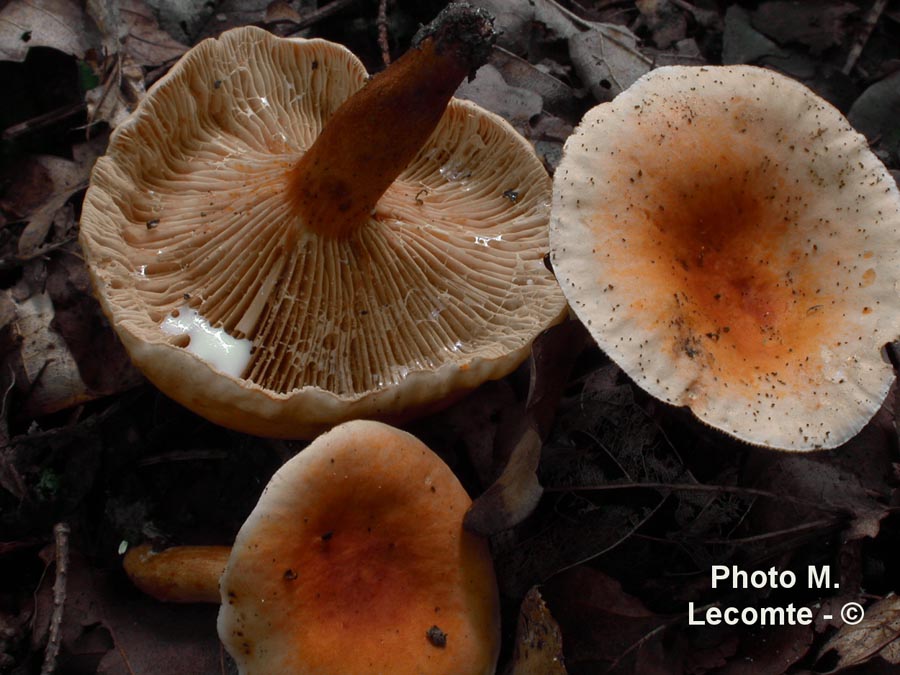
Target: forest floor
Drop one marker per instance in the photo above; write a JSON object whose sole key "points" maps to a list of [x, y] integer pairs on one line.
{"points": [[639, 499]]}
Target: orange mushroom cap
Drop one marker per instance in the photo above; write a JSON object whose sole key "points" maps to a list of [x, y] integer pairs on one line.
{"points": [[195, 206], [355, 561], [732, 243]]}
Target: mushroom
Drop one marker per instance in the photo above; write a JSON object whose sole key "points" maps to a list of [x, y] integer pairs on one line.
{"points": [[177, 574], [282, 245], [732, 243], [354, 560]]}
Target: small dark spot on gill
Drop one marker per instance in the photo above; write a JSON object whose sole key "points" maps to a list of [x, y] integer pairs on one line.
{"points": [[217, 84], [289, 575], [26, 36], [328, 535], [512, 195], [152, 223], [315, 65]]}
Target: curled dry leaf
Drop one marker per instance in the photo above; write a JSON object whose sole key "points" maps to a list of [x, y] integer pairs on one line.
{"points": [[47, 373], [516, 493], [55, 181], [607, 59], [877, 634]]}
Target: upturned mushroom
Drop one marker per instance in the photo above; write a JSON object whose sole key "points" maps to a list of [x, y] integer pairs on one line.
{"points": [[282, 244], [732, 243], [354, 560]]}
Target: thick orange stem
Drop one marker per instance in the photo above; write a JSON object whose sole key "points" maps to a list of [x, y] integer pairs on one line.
{"points": [[178, 574], [375, 134]]}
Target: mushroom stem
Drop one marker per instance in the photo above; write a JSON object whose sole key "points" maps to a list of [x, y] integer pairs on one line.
{"points": [[375, 134], [178, 574]]}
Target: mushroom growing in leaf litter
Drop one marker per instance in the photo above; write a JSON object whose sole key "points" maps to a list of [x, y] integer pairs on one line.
{"points": [[732, 243], [282, 245], [354, 560]]}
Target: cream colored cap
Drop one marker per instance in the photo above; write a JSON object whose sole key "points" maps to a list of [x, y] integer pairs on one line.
{"points": [[443, 289], [355, 562], [732, 243]]}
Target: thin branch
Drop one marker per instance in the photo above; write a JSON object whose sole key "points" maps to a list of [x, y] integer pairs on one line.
{"points": [[652, 633], [382, 23], [813, 526], [61, 535], [869, 22], [321, 14], [695, 487]]}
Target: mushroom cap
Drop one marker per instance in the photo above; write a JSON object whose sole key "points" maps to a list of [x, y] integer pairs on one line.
{"points": [[441, 290], [732, 243], [354, 553]]}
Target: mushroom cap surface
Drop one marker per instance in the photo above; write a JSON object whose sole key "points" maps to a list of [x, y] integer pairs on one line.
{"points": [[732, 243], [353, 555], [442, 289]]}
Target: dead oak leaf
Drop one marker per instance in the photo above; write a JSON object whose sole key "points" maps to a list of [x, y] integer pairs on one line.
{"points": [[538, 649], [60, 24], [817, 25], [877, 634]]}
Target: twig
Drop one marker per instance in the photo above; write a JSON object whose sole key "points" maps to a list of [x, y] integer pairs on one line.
{"points": [[382, 23], [321, 14], [695, 487], [644, 639], [813, 526], [61, 535], [42, 121], [868, 25]]}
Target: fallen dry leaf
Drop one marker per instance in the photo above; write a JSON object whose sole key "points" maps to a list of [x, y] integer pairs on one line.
{"points": [[110, 628], [558, 98], [817, 25], [60, 24], [667, 23], [122, 89], [538, 648], [515, 494], [145, 43], [46, 372], [742, 43], [607, 60], [488, 89], [849, 481], [878, 633], [876, 111], [601, 623]]}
